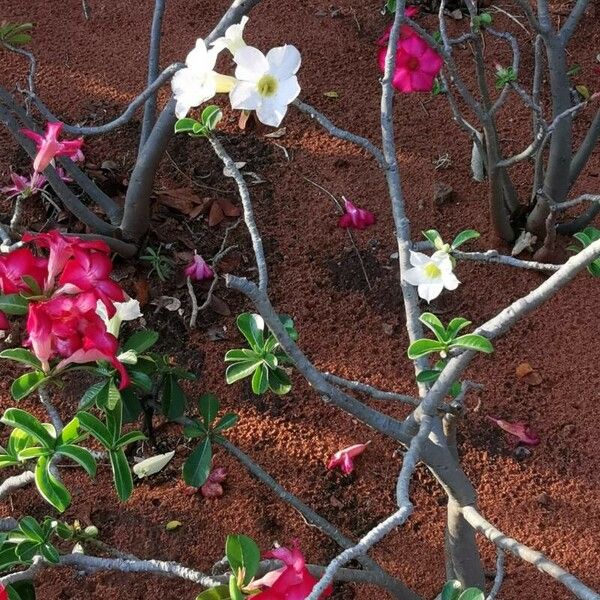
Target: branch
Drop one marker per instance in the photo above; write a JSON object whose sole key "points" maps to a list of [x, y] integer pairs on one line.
{"points": [[16, 482], [55, 419], [364, 388], [557, 207], [153, 63], [499, 575], [492, 256], [123, 118], [341, 134], [527, 554], [28, 574], [568, 29], [257, 246]]}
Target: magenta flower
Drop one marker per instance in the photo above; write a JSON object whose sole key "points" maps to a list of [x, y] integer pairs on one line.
{"points": [[21, 186], [406, 31], [344, 458], [417, 65], [519, 429], [355, 218], [212, 488], [4, 325], [291, 582], [17, 264], [65, 177], [199, 269], [49, 146]]}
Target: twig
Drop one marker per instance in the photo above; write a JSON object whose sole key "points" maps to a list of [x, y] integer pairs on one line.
{"points": [[9, 485], [194, 316], [86, 9], [536, 558], [364, 388], [499, 578]]}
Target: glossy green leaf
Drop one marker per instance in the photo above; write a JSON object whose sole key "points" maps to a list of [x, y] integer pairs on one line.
{"points": [[121, 474], [241, 355], [23, 356], [240, 370], [50, 553], [130, 438], [8, 558], [228, 420], [21, 590], [428, 375], [451, 590], [434, 238], [15, 417], [34, 452], [252, 327], [279, 382], [96, 428], [132, 407], [70, 432], [19, 440], [8, 460], [31, 529], [79, 455], [465, 236], [173, 399], [260, 380], [473, 341], [91, 395], [211, 116], [197, 467], [234, 589], [114, 422], [51, 489], [242, 552], [423, 347], [184, 125], [209, 407], [289, 326], [27, 549], [457, 324], [25, 384], [194, 429], [13, 304], [221, 592], [141, 341], [434, 324], [472, 594]]}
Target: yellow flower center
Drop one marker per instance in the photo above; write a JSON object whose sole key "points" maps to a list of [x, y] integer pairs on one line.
{"points": [[432, 271], [267, 86]]}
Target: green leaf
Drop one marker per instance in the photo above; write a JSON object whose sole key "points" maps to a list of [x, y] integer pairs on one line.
{"points": [[423, 347], [197, 467], [455, 389], [21, 590], [8, 460], [239, 370], [173, 399], [288, 324], [143, 340], [432, 322], [435, 238], [451, 590], [34, 452], [221, 592], [252, 327], [473, 341], [114, 422], [241, 355], [96, 428], [13, 304], [260, 380], [428, 375], [194, 429], [199, 129], [70, 432], [8, 558], [121, 474], [131, 406], [472, 594], [81, 456], [23, 356], [19, 440], [242, 553], [25, 384], [234, 589], [279, 382], [209, 407], [464, 236], [15, 417], [185, 125], [228, 420], [456, 325], [141, 381], [27, 549], [211, 116], [130, 438], [91, 395], [51, 489], [31, 528], [49, 552]]}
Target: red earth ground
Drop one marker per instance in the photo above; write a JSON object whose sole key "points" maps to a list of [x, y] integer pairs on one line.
{"points": [[89, 70]]}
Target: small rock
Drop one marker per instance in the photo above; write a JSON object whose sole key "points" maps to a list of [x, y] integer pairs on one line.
{"points": [[388, 329], [442, 193], [543, 499], [569, 429], [456, 14], [335, 502], [521, 453]]}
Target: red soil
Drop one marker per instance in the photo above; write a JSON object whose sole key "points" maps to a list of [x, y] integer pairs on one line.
{"points": [[550, 501]]}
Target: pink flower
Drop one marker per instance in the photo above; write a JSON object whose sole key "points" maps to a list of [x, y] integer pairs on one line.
{"points": [[417, 65], [68, 327], [355, 218], [4, 324], [62, 248], [519, 429], [21, 186], [343, 458], [406, 31], [3, 593], [89, 272], [291, 582], [212, 488], [199, 269], [65, 177], [17, 264], [49, 146]]}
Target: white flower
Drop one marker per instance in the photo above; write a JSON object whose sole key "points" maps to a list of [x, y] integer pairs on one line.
{"points": [[266, 84], [233, 39], [198, 81], [126, 311], [431, 274]]}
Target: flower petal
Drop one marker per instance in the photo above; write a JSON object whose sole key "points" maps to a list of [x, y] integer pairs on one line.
{"points": [[430, 291], [284, 61], [251, 64], [245, 96]]}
